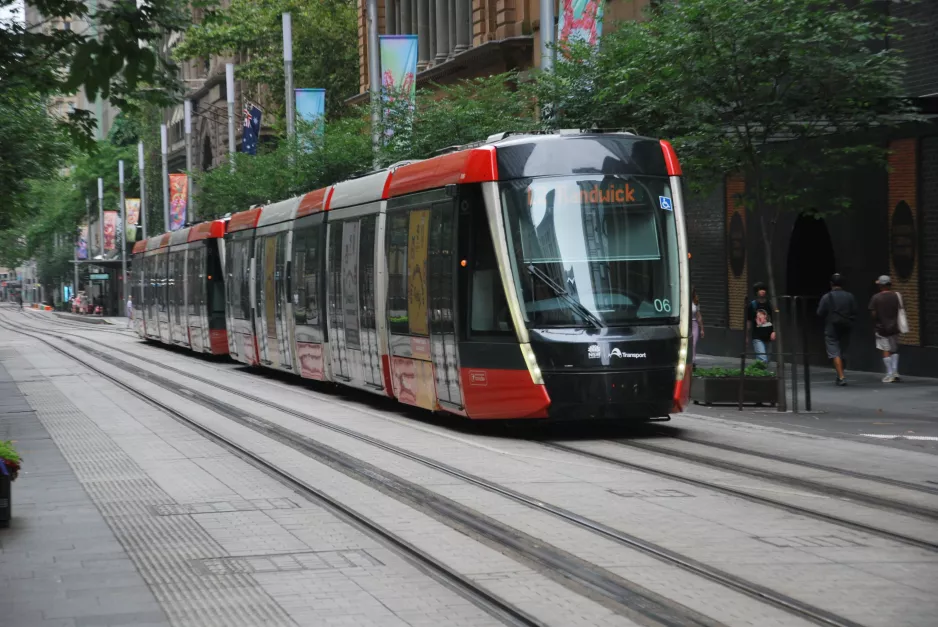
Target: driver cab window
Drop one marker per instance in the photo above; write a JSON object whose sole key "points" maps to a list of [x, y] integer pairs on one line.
{"points": [[488, 309]]}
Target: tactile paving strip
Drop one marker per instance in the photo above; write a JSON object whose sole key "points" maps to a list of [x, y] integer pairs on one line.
{"points": [[165, 549]]}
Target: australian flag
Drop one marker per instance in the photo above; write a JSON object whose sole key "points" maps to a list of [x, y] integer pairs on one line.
{"points": [[251, 130]]}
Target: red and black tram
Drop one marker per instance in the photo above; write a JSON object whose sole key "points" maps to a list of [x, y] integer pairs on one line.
{"points": [[179, 289], [530, 276]]}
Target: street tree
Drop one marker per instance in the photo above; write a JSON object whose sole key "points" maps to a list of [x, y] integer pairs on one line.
{"points": [[324, 44], [788, 93]]}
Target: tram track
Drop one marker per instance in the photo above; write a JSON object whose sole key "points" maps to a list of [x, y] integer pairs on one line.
{"points": [[888, 481], [713, 486], [783, 479], [619, 591]]}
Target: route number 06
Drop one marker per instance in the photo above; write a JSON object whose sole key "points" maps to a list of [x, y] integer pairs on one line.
{"points": [[662, 305]]}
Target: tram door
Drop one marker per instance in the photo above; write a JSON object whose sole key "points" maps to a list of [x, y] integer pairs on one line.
{"points": [[441, 265], [162, 277], [196, 285], [271, 294], [352, 306]]}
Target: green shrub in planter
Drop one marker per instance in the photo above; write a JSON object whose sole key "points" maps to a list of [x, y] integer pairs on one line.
{"points": [[10, 459], [755, 369]]}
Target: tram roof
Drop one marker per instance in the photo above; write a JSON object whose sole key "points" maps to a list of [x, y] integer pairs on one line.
{"points": [[475, 165], [207, 230], [279, 212], [140, 246], [315, 201], [244, 220], [365, 189], [179, 237]]}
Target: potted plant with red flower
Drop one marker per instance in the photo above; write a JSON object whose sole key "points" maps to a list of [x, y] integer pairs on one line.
{"points": [[9, 469]]}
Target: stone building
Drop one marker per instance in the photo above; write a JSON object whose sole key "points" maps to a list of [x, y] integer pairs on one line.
{"points": [[468, 38]]}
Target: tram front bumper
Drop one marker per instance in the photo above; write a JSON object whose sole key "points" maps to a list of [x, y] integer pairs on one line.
{"points": [[630, 394]]}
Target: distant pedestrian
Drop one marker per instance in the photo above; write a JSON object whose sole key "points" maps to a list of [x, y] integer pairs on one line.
{"points": [[130, 310], [838, 308], [19, 300], [884, 307], [697, 326], [759, 326]]}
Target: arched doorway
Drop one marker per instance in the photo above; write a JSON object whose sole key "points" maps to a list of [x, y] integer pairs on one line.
{"points": [[207, 156], [811, 262]]}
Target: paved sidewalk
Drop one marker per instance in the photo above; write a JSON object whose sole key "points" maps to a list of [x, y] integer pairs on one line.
{"points": [[124, 517], [60, 562], [867, 407]]}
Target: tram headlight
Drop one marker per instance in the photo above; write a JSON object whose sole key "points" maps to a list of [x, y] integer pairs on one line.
{"points": [[531, 361], [681, 359]]}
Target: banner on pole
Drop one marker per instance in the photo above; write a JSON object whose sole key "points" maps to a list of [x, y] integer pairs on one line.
{"points": [[81, 248], [311, 109], [310, 104], [111, 218], [132, 206], [580, 20], [251, 128], [178, 200], [398, 70]]}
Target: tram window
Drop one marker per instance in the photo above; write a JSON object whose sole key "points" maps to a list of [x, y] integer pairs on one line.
{"points": [[306, 274], [488, 307], [366, 272], [216, 287], [397, 272], [192, 280]]}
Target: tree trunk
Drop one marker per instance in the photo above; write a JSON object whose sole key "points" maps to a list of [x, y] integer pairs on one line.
{"points": [[782, 404]]}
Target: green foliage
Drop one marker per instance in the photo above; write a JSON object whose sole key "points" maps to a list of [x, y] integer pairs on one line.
{"points": [[32, 145], [10, 458], [780, 90], [8, 452], [458, 114], [452, 115], [754, 369], [287, 169], [117, 60], [324, 43]]}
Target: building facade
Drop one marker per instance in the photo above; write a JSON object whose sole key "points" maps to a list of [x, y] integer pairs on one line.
{"points": [[459, 39], [60, 106]]}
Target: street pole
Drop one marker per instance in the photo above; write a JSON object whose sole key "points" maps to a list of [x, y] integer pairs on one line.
{"points": [[101, 213], [164, 155], [288, 73], [229, 81], [547, 35], [374, 76], [75, 275], [190, 212], [123, 237], [143, 189]]}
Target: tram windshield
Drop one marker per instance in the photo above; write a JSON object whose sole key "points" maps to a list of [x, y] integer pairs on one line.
{"points": [[593, 250]]}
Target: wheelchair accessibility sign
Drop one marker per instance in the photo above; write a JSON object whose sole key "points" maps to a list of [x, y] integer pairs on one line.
{"points": [[665, 203]]}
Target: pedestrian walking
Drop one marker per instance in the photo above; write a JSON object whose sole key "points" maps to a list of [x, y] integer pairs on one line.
{"points": [[130, 310], [838, 308], [697, 326], [885, 308], [759, 326]]}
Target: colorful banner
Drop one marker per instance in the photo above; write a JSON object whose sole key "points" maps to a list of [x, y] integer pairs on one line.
{"points": [[111, 218], [81, 248], [178, 200], [310, 104], [580, 20], [251, 128], [132, 207], [398, 70]]}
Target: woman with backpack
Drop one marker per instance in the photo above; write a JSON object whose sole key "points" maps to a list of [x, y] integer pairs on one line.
{"points": [[839, 309]]}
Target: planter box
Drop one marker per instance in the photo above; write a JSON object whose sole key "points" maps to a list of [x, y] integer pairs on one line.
{"points": [[6, 500], [756, 390]]}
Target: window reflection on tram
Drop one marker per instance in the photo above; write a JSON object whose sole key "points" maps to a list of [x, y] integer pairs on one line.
{"points": [[593, 250]]}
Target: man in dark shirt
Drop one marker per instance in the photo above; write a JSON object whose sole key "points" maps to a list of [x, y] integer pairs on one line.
{"points": [[839, 309], [759, 323], [884, 307]]}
